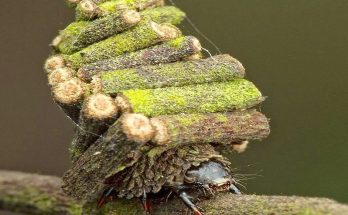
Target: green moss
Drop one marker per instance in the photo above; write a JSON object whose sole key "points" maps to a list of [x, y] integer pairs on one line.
{"points": [[221, 118], [109, 6], [41, 201], [177, 43], [217, 69], [81, 34], [167, 14], [112, 6], [205, 98], [171, 51], [123, 78], [74, 29], [122, 207], [188, 121], [139, 37], [69, 34], [310, 211], [156, 151], [75, 209]]}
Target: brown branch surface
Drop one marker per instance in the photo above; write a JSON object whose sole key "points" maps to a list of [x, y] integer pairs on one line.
{"points": [[37, 194]]}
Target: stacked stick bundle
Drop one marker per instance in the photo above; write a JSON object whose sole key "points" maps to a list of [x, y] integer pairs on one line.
{"points": [[137, 88]]}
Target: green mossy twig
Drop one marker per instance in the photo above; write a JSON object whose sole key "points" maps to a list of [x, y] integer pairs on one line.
{"points": [[167, 52], [81, 34], [87, 10], [204, 98], [165, 14], [85, 179], [96, 10], [98, 113], [145, 34], [215, 69], [219, 128], [69, 95], [41, 195]]}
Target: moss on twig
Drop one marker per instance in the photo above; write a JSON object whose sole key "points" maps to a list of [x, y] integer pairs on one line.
{"points": [[41, 195], [204, 98]]}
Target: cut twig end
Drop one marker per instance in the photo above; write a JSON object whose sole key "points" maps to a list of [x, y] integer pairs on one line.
{"points": [[166, 31], [123, 104], [54, 62], [193, 57], [96, 83], [100, 106], [137, 127], [56, 41], [60, 75], [161, 136], [196, 45], [89, 8], [131, 17], [69, 92]]}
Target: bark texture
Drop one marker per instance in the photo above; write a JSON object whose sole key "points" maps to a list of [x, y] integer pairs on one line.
{"points": [[85, 179], [41, 195], [216, 69], [145, 34], [69, 96], [167, 52], [204, 98], [81, 34], [220, 128], [104, 8], [160, 168], [97, 114]]}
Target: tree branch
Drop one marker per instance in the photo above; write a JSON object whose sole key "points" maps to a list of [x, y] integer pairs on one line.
{"points": [[37, 194]]}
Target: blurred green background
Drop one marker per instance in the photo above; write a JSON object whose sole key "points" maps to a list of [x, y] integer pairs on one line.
{"points": [[295, 51]]}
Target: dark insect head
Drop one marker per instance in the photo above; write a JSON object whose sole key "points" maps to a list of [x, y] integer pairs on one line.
{"points": [[212, 176]]}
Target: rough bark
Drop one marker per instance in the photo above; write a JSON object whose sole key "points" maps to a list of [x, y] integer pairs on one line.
{"points": [[215, 69], [74, 3], [145, 34], [89, 9], [220, 128], [35, 194], [204, 98], [98, 113], [85, 179], [165, 14], [69, 96], [161, 167], [167, 52], [81, 34], [41, 195]]}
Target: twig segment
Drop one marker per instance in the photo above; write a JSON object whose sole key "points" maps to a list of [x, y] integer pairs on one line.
{"points": [[167, 52], [81, 34], [216, 69], [85, 179], [219, 128], [98, 113], [38, 194], [204, 98], [95, 9], [69, 95], [143, 35]]}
